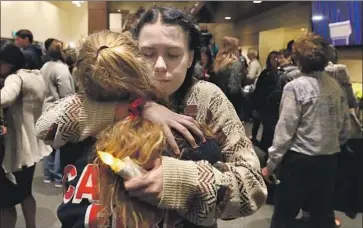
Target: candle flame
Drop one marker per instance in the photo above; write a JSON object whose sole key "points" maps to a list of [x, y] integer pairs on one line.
{"points": [[106, 158]]}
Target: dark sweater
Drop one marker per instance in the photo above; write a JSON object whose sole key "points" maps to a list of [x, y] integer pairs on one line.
{"points": [[229, 80], [80, 206]]}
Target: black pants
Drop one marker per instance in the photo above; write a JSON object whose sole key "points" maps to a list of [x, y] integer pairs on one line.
{"points": [[256, 124], [305, 181]]}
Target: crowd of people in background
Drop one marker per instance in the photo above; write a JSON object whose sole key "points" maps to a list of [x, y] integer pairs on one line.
{"points": [[30, 82], [302, 98]]}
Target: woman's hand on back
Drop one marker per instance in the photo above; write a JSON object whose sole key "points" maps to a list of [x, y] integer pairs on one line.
{"points": [[168, 119]]}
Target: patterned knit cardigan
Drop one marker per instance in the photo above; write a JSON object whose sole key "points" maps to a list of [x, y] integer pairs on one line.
{"points": [[197, 191]]}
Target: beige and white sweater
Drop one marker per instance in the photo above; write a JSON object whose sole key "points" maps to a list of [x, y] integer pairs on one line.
{"points": [[198, 191]]}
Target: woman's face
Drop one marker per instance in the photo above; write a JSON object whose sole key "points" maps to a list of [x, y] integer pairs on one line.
{"points": [[273, 61], [204, 58], [166, 46]]}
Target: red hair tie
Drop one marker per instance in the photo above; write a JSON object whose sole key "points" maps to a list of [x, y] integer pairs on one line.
{"points": [[136, 106]]}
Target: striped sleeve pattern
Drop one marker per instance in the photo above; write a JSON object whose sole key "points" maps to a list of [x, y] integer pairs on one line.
{"points": [[229, 189], [72, 119]]}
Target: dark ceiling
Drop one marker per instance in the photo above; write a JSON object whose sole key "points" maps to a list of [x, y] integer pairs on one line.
{"points": [[215, 11]]}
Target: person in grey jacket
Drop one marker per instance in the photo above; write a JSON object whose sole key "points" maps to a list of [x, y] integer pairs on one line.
{"points": [[59, 84], [313, 124], [23, 96]]}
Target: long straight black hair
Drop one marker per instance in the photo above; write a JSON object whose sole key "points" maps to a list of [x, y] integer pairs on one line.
{"points": [[172, 16]]}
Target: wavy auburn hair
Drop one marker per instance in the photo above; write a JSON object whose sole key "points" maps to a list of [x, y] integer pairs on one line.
{"points": [[227, 54], [311, 53], [144, 142]]}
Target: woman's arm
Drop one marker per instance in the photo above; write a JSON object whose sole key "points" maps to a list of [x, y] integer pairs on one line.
{"points": [[201, 192], [11, 90], [74, 118]]}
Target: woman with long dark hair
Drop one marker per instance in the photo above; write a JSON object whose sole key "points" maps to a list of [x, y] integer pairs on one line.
{"points": [[170, 42], [265, 85]]}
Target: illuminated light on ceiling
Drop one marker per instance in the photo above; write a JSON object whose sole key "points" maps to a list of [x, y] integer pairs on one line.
{"points": [[77, 3], [118, 10], [227, 18], [257, 2], [317, 18]]}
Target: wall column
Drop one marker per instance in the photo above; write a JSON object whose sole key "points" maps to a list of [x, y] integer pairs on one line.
{"points": [[97, 16]]}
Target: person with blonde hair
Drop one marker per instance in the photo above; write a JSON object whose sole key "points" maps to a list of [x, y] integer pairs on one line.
{"points": [[197, 191], [228, 71], [254, 67]]}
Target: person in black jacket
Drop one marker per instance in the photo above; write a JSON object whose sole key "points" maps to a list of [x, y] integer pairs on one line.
{"points": [[266, 110], [33, 53]]}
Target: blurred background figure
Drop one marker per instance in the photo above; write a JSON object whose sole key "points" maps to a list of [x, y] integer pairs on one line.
{"points": [[228, 71], [59, 84], [33, 53], [204, 69], [23, 96]]}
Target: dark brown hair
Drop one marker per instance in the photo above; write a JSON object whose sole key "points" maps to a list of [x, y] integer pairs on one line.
{"points": [[55, 51]]}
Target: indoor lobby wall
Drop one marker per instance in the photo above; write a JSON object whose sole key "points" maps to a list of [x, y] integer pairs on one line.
{"points": [[272, 29], [42, 18], [219, 30], [290, 18], [61, 20]]}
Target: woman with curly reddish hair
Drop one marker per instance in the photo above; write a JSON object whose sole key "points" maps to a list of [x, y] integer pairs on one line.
{"points": [[313, 124]]}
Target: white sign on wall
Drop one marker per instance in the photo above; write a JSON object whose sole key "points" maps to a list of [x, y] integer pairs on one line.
{"points": [[115, 20]]}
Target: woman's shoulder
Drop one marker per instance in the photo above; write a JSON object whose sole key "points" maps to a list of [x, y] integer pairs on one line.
{"points": [[205, 87], [204, 92], [25, 73]]}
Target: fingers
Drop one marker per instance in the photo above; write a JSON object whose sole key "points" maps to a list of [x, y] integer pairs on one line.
{"points": [[136, 184], [193, 125], [190, 119], [185, 133], [171, 140]]}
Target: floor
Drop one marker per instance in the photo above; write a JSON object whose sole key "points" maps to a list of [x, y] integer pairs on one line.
{"points": [[48, 198]]}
